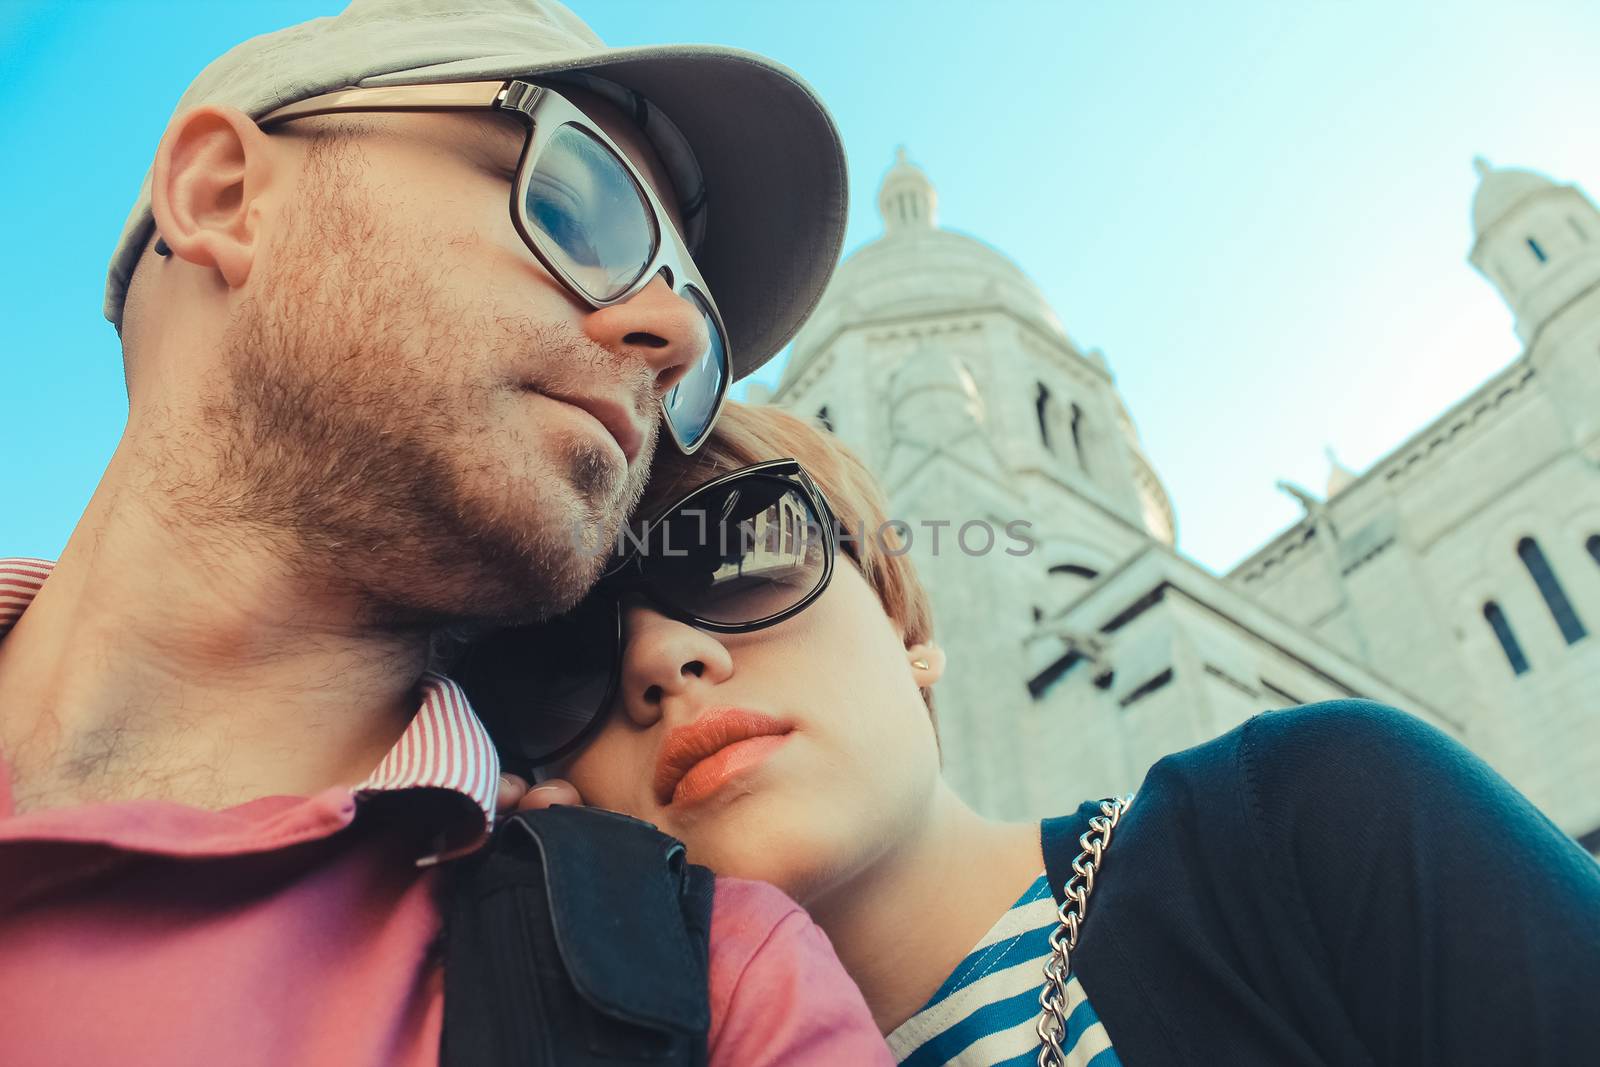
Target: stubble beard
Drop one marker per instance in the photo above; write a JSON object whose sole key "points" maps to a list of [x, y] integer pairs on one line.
{"points": [[342, 431]]}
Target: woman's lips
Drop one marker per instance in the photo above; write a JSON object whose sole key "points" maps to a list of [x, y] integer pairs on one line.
{"points": [[698, 759]]}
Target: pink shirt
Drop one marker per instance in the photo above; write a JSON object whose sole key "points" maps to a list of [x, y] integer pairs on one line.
{"points": [[303, 930]]}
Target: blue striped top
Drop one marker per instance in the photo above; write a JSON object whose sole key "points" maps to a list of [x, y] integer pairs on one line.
{"points": [[986, 1012]]}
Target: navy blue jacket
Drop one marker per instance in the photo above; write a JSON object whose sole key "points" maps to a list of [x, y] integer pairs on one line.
{"points": [[1338, 884]]}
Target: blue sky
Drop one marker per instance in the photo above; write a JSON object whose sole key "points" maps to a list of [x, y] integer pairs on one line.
{"points": [[1259, 211]]}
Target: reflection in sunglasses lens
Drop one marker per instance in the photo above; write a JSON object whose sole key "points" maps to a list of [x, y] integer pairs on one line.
{"points": [[598, 224], [739, 554]]}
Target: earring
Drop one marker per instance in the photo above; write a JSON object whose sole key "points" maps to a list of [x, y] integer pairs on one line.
{"points": [[162, 248], [920, 664]]}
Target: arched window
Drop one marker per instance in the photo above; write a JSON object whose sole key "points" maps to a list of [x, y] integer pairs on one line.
{"points": [[1508, 640], [1077, 437], [1041, 406], [1593, 545], [1538, 253], [1549, 588], [1064, 583]]}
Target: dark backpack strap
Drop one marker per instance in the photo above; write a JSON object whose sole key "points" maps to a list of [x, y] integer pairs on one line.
{"points": [[578, 938], [698, 889]]}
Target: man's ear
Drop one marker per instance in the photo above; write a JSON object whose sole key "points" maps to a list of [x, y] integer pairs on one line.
{"points": [[927, 663], [210, 172]]}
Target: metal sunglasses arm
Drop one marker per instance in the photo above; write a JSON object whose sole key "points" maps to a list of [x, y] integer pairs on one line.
{"points": [[445, 96]]}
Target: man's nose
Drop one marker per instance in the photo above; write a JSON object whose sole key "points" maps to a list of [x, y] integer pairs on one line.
{"points": [[662, 659], [665, 331]]}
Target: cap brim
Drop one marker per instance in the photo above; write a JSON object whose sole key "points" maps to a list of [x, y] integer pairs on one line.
{"points": [[776, 190]]}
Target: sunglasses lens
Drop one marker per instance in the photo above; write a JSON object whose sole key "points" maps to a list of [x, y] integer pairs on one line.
{"points": [[691, 405], [595, 220], [739, 553], [539, 688]]}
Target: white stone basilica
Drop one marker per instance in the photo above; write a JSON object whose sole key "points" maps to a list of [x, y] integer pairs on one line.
{"points": [[1458, 578]]}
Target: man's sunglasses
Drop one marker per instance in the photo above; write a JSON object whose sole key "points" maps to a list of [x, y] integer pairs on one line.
{"points": [[583, 210], [740, 553]]}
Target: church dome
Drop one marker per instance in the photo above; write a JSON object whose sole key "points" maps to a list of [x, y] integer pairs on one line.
{"points": [[1500, 189], [915, 269]]}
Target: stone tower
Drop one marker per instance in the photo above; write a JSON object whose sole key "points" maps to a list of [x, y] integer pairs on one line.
{"points": [[1536, 241], [1005, 447], [930, 347]]}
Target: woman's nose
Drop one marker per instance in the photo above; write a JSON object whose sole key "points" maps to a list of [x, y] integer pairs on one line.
{"points": [[663, 659], [656, 326]]}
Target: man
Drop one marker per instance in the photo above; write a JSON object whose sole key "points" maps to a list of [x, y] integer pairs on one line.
{"points": [[367, 406]]}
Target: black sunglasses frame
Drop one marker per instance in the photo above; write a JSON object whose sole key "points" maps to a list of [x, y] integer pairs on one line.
{"points": [[629, 576]]}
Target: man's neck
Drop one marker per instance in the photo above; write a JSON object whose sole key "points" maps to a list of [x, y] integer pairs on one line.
{"points": [[904, 924], [193, 663]]}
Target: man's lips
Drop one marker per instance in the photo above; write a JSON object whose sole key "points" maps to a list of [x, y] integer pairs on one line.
{"points": [[616, 415], [696, 759]]}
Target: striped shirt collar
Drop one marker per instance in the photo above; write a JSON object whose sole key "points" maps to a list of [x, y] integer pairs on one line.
{"points": [[445, 746], [987, 1011]]}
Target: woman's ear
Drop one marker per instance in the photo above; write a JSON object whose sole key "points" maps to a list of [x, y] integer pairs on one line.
{"points": [[206, 186], [927, 663]]}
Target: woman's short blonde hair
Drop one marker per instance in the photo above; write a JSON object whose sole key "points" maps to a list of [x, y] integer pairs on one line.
{"points": [[747, 434]]}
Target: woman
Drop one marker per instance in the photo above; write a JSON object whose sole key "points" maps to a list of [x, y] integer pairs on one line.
{"points": [[1332, 884]]}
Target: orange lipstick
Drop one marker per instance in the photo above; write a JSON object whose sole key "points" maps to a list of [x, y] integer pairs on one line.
{"points": [[698, 759]]}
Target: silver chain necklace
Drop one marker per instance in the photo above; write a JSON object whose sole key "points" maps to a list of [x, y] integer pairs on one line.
{"points": [[1064, 938]]}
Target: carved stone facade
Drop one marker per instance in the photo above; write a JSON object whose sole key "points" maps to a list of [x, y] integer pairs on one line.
{"points": [[1459, 578]]}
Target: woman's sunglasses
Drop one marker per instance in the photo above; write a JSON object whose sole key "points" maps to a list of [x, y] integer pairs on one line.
{"points": [[740, 553], [583, 210]]}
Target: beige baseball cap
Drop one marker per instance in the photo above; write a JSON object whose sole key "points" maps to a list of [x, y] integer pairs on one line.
{"points": [[753, 154]]}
